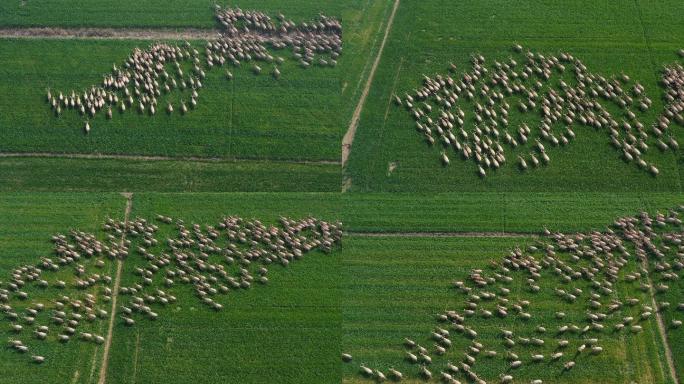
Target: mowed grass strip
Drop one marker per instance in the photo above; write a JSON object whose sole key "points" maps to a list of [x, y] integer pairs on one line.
{"points": [[396, 286], [51, 174], [154, 13], [495, 212], [28, 222], [389, 155], [288, 331]]}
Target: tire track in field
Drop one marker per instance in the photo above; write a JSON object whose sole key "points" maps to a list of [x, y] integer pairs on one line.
{"points": [[660, 323], [99, 156], [115, 295], [448, 234], [135, 357], [109, 33], [655, 67], [351, 131]]}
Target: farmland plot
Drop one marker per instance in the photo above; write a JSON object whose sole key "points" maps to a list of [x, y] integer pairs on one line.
{"points": [[390, 155], [566, 325], [27, 223], [493, 213], [299, 118], [363, 299], [298, 320], [286, 331]]}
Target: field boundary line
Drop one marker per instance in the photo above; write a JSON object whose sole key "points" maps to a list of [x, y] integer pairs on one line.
{"points": [[109, 33], [654, 64], [135, 357], [394, 87], [198, 159], [368, 62], [484, 234], [351, 131], [76, 376], [115, 295], [660, 323]]}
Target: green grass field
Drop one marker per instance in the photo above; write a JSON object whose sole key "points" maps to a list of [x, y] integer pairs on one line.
{"points": [[286, 332], [495, 212], [250, 117], [362, 299], [296, 317], [396, 286], [50, 174], [27, 225], [634, 37], [155, 13], [262, 149], [300, 117]]}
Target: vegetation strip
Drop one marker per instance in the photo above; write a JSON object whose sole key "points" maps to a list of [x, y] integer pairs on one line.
{"points": [[445, 234], [115, 295], [661, 325], [98, 156], [109, 33], [351, 131]]}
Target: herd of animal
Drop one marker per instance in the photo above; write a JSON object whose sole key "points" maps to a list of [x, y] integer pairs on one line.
{"points": [[516, 108], [59, 298], [148, 76], [587, 274], [487, 113]]}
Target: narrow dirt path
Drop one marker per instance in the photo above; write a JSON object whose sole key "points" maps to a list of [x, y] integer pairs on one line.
{"points": [[447, 234], [661, 324], [115, 295], [98, 156], [351, 131], [109, 33]]}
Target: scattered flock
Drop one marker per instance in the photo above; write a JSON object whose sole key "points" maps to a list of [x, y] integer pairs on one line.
{"points": [[245, 38], [64, 297], [588, 274], [471, 115]]}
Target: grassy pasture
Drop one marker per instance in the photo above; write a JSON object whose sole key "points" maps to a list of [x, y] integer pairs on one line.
{"points": [[286, 332], [251, 117], [395, 287], [362, 299], [610, 37], [49, 174], [301, 117], [674, 336], [495, 212], [154, 13], [28, 221]]}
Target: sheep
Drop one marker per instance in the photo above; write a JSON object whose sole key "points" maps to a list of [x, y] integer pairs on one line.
{"points": [[366, 371], [396, 375], [425, 373]]}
